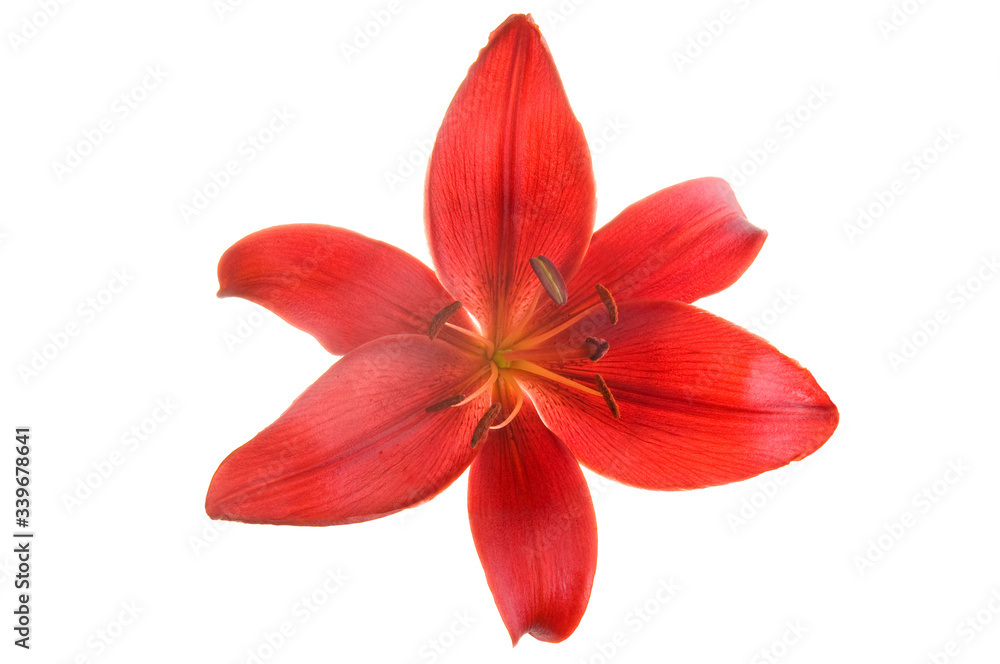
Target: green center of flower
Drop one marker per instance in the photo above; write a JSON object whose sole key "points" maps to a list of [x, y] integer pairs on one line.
{"points": [[498, 359]]}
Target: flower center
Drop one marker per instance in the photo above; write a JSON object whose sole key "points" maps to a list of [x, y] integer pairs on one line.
{"points": [[519, 354]]}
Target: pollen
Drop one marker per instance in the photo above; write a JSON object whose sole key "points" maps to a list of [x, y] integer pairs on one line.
{"points": [[609, 302], [446, 403], [483, 426], [440, 318], [552, 281], [608, 397]]}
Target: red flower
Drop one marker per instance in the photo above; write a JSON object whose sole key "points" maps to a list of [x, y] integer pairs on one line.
{"points": [[530, 374]]}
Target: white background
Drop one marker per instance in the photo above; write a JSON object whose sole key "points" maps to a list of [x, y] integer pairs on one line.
{"points": [[814, 551]]}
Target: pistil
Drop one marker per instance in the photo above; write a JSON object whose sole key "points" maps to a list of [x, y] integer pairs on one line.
{"points": [[531, 367], [591, 348], [599, 348], [531, 342]]}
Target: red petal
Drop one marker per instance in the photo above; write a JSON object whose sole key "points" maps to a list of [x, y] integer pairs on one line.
{"points": [[682, 243], [357, 444], [341, 287], [534, 527], [509, 178], [703, 402]]}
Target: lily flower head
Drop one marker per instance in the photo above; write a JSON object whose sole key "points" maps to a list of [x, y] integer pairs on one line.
{"points": [[535, 346]]}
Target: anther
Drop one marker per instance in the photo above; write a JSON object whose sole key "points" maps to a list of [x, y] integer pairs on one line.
{"points": [[597, 347], [441, 317], [447, 403], [609, 303], [483, 427], [608, 397], [552, 281]]}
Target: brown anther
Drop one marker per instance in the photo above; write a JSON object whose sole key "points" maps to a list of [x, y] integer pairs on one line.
{"points": [[447, 403], [608, 397], [441, 317], [552, 281], [483, 427], [609, 302], [598, 348]]}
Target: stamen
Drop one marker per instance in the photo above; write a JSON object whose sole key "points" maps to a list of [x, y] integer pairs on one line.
{"points": [[475, 337], [531, 367], [531, 342], [599, 348], [446, 403], [441, 317], [494, 372], [483, 427], [516, 334], [609, 302], [552, 281], [513, 412], [608, 397]]}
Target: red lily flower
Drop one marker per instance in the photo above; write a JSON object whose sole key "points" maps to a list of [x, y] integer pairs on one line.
{"points": [[557, 353]]}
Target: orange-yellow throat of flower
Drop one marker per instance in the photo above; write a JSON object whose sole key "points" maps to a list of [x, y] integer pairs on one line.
{"points": [[520, 353]]}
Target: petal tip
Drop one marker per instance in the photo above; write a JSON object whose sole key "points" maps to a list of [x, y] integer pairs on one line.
{"points": [[521, 20], [522, 23], [213, 505]]}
